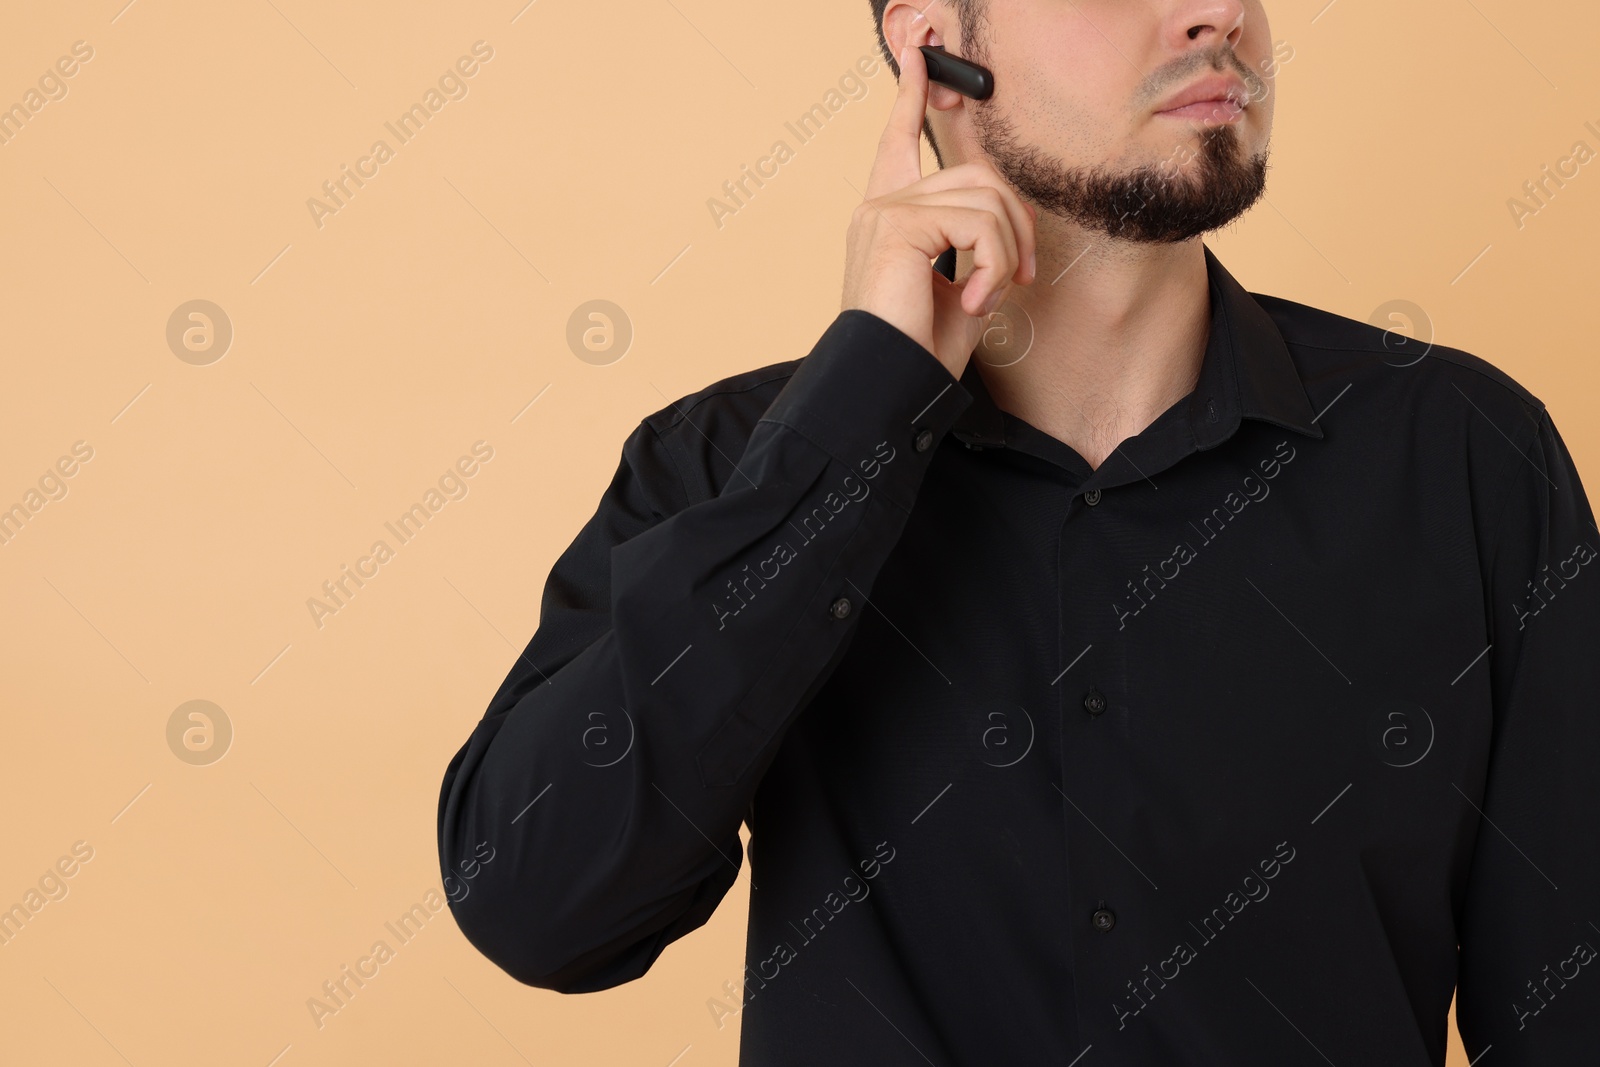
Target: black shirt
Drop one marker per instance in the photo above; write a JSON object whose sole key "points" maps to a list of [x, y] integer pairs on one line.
{"points": [[1215, 754]]}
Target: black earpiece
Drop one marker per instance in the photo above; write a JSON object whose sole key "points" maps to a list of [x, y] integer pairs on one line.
{"points": [[962, 75]]}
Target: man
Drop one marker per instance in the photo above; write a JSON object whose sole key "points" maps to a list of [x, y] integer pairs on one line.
{"points": [[1212, 681]]}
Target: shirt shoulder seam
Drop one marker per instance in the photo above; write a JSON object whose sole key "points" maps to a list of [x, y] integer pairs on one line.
{"points": [[677, 465], [677, 416], [667, 423], [1508, 491], [1446, 353]]}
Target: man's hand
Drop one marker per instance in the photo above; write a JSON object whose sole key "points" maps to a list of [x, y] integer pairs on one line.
{"points": [[907, 220]]}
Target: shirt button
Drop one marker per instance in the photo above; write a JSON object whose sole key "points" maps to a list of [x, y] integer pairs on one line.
{"points": [[924, 440], [1104, 919], [1092, 497], [1093, 702], [840, 608]]}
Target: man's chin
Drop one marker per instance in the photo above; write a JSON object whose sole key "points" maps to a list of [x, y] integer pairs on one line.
{"points": [[1154, 203], [1186, 213], [1149, 206]]}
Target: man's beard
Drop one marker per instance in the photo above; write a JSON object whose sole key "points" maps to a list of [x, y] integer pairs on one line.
{"points": [[1151, 203]]}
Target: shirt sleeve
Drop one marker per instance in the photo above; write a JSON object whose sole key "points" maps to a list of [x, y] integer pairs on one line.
{"points": [[1529, 977], [592, 817]]}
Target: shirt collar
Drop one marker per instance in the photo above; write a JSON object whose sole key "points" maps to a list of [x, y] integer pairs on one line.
{"points": [[1246, 372]]}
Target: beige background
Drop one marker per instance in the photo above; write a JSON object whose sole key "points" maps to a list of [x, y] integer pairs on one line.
{"points": [[429, 313]]}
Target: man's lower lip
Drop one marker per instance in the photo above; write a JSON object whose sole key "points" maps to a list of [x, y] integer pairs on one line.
{"points": [[1206, 111]]}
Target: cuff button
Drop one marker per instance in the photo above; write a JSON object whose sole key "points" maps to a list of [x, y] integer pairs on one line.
{"points": [[923, 440]]}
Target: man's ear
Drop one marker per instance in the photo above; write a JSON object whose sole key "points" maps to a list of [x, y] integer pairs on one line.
{"points": [[904, 24]]}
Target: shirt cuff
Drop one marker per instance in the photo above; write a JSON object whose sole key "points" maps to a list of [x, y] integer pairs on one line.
{"points": [[864, 383]]}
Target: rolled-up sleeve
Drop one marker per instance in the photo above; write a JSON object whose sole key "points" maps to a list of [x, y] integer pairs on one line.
{"points": [[1529, 977], [597, 802]]}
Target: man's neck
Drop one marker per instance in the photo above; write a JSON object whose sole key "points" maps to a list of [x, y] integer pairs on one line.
{"points": [[1118, 336]]}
